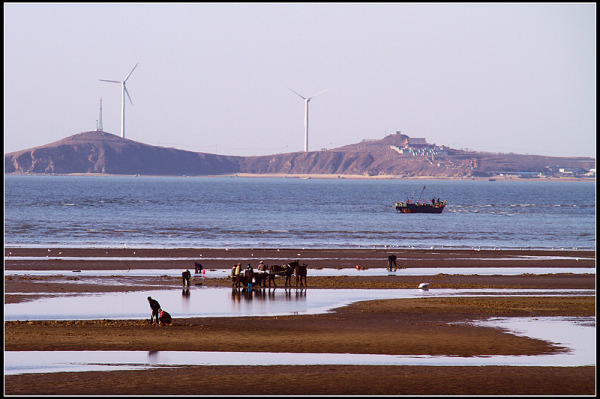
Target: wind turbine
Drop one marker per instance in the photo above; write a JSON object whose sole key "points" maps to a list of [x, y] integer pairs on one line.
{"points": [[306, 101], [124, 91]]}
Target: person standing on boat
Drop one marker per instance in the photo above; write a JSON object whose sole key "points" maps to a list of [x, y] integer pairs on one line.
{"points": [[392, 261]]}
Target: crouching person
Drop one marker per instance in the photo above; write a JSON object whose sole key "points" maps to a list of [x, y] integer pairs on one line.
{"points": [[186, 275], [164, 318]]}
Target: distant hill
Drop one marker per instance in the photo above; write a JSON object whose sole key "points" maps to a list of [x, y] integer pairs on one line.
{"points": [[105, 153], [101, 152]]}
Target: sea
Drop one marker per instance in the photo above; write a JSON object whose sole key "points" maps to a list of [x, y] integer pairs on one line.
{"points": [[241, 212]]}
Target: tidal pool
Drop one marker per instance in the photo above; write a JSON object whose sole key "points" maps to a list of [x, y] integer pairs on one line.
{"points": [[576, 334], [199, 301]]}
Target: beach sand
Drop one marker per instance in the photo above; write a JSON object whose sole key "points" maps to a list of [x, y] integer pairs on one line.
{"points": [[400, 326]]}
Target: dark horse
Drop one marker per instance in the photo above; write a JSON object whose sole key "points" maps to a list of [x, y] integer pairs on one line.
{"points": [[300, 271], [279, 270], [260, 278]]}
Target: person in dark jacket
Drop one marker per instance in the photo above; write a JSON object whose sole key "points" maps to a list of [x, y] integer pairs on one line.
{"points": [[155, 306], [186, 275], [249, 275], [392, 261]]}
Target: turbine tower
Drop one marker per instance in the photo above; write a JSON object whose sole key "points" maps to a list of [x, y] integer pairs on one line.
{"points": [[306, 101], [124, 91]]}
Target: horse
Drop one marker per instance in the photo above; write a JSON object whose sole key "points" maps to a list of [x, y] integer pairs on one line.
{"points": [[279, 270], [300, 271], [198, 267], [260, 278]]}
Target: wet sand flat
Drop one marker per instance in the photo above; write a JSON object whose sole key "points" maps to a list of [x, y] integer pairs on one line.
{"points": [[398, 326], [219, 258], [314, 380]]}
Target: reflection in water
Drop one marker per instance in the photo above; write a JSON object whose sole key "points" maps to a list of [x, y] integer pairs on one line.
{"points": [[153, 357], [234, 303], [265, 294], [578, 334], [185, 298]]}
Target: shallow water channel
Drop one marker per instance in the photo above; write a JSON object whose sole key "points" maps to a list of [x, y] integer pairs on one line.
{"points": [[199, 301], [576, 334]]}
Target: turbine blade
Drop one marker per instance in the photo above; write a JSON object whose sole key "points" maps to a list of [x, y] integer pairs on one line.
{"points": [[304, 98], [321, 92], [126, 92], [111, 81], [131, 72]]}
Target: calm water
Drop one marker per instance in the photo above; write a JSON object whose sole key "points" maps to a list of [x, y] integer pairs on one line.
{"points": [[319, 213], [576, 334], [229, 302]]}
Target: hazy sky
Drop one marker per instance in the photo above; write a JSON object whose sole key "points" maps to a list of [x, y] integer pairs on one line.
{"points": [[214, 77]]}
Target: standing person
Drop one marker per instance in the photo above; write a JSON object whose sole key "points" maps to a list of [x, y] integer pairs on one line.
{"points": [[261, 266], [392, 261], [186, 275], [249, 275], [236, 277], [155, 306], [261, 274]]}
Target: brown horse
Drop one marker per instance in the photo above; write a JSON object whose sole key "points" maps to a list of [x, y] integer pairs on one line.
{"points": [[260, 278], [300, 271], [280, 270]]}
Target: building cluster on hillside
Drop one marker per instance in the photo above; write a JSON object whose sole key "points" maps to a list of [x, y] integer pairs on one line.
{"points": [[419, 147]]}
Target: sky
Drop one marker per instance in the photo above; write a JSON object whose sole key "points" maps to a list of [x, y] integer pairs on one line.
{"points": [[216, 77]]}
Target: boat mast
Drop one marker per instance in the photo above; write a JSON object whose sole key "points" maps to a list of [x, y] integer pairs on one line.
{"points": [[421, 195]]}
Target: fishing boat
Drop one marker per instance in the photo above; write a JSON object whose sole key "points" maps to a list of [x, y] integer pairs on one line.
{"points": [[420, 206]]}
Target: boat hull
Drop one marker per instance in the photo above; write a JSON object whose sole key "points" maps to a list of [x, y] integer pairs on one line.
{"points": [[407, 207]]}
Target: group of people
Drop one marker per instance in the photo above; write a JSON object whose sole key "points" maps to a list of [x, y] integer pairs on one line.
{"points": [[161, 317], [248, 273], [236, 270], [248, 277]]}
